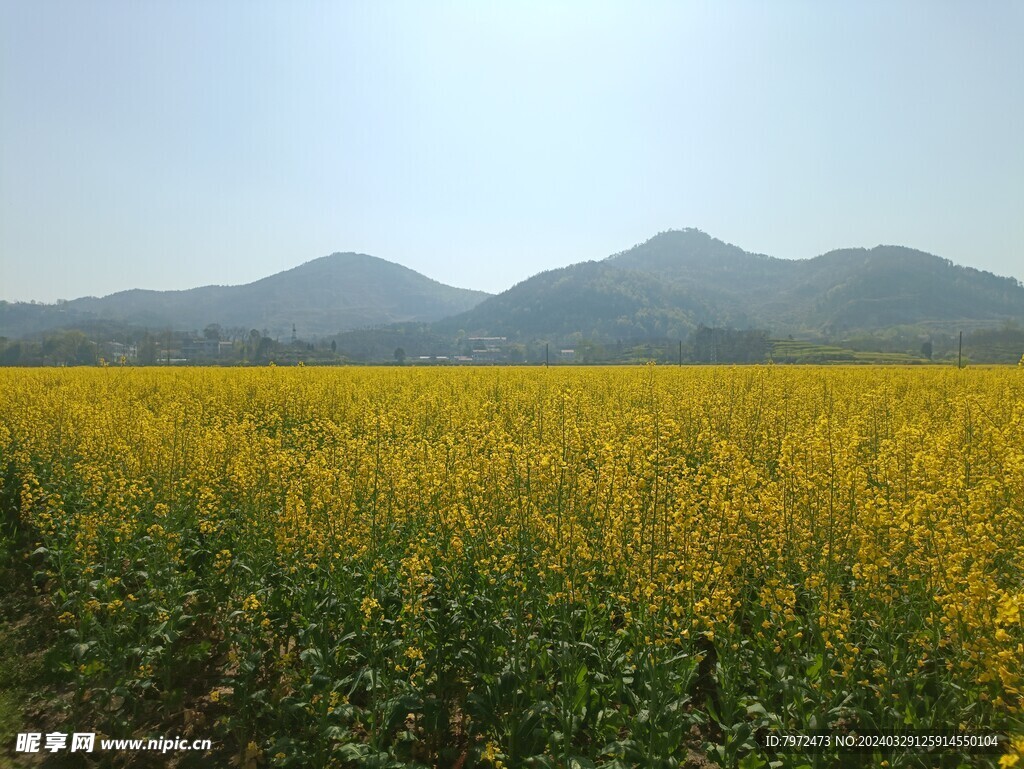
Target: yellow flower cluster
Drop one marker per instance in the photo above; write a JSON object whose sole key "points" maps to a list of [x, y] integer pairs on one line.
{"points": [[870, 518]]}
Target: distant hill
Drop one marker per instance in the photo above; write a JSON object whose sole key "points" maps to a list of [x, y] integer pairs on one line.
{"points": [[681, 279], [596, 300], [327, 295], [665, 288]]}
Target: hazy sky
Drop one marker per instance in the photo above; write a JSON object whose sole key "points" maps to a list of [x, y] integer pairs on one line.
{"points": [[174, 144]]}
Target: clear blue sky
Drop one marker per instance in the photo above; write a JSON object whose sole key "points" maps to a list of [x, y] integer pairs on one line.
{"points": [[174, 144]]}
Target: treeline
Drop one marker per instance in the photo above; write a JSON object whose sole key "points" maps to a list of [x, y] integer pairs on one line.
{"points": [[415, 343], [64, 348], [214, 346], [1005, 345]]}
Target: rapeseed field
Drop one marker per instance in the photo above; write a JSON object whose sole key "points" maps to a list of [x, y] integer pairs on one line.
{"points": [[500, 567]]}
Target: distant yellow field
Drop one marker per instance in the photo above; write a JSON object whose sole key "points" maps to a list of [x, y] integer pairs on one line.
{"points": [[528, 567]]}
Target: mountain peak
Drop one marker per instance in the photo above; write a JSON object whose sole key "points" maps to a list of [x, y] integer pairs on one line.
{"points": [[680, 279], [686, 249], [327, 295]]}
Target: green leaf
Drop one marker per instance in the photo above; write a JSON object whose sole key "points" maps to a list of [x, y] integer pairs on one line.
{"points": [[815, 667]]}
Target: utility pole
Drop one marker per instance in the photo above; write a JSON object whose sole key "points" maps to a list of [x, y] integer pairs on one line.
{"points": [[680, 352], [545, 354], [960, 354]]}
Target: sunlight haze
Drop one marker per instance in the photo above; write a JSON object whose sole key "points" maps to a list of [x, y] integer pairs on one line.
{"points": [[172, 145]]}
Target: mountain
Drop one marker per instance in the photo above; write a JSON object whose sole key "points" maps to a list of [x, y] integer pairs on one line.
{"points": [[595, 300], [664, 288], [679, 280], [324, 296]]}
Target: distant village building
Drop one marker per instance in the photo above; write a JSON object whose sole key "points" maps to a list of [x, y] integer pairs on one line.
{"points": [[488, 348], [200, 348], [116, 350]]}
